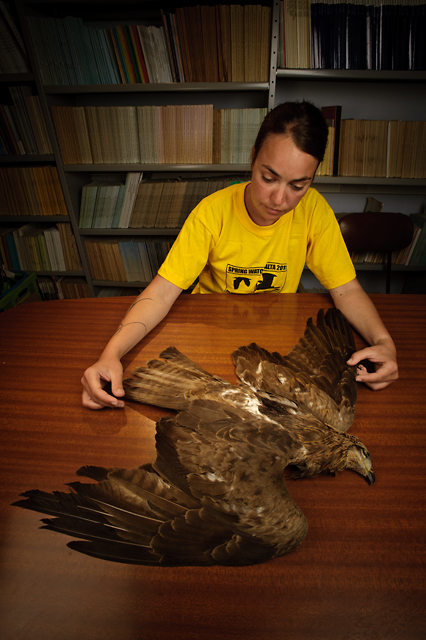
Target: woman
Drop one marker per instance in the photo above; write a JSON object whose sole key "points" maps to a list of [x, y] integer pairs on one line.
{"points": [[256, 237]]}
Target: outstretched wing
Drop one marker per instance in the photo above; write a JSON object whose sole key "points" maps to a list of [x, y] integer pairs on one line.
{"points": [[198, 504], [176, 381], [314, 377]]}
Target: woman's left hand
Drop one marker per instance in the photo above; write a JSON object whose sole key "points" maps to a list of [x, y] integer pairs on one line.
{"points": [[383, 357]]}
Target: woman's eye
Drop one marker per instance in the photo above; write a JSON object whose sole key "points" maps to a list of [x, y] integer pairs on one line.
{"points": [[296, 187], [266, 179]]}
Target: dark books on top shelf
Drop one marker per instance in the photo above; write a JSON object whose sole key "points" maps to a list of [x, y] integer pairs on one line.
{"points": [[193, 44], [13, 54], [367, 34]]}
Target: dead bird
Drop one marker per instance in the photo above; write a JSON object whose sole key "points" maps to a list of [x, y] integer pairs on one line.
{"points": [[216, 492]]}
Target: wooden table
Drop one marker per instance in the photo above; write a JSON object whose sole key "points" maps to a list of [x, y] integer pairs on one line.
{"points": [[359, 574]]}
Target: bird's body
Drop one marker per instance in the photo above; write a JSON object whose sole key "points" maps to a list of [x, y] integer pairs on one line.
{"points": [[216, 492]]}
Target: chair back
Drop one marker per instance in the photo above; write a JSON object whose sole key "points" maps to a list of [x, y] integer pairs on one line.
{"points": [[377, 231]]}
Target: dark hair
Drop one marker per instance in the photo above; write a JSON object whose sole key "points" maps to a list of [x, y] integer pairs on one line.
{"points": [[303, 121]]}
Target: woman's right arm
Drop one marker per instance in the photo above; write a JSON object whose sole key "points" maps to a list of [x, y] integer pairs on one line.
{"points": [[149, 308]]}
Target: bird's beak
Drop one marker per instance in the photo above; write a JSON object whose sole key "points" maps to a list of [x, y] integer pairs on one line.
{"points": [[371, 477]]}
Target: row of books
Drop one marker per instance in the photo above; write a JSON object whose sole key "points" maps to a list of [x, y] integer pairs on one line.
{"points": [[383, 148], [63, 288], [31, 191], [373, 148], [193, 44], [127, 259], [22, 125], [37, 248], [366, 34], [13, 58], [155, 204], [173, 134]]}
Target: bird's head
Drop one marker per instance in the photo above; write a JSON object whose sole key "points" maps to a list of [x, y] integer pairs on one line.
{"points": [[359, 460], [325, 450]]}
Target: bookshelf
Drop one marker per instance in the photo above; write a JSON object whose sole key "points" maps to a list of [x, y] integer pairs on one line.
{"points": [[321, 85]]}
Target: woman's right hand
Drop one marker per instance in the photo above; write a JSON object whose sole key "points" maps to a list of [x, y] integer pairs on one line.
{"points": [[96, 377]]}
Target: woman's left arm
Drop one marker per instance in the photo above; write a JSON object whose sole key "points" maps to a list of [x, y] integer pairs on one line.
{"points": [[361, 313]]}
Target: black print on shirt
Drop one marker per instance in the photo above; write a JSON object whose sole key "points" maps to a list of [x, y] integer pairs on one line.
{"points": [[270, 278]]}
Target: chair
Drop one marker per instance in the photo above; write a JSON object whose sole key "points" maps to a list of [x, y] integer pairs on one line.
{"points": [[378, 231]]}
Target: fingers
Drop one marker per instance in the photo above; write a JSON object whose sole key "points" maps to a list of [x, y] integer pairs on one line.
{"points": [[363, 354], [386, 368], [100, 387]]}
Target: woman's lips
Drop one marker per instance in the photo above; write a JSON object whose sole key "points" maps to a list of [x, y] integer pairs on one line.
{"points": [[273, 212]]}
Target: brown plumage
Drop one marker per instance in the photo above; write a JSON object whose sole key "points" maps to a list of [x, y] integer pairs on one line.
{"points": [[216, 493]]}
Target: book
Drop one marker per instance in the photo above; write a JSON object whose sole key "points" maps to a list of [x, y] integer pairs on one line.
{"points": [[13, 54], [131, 189], [334, 115], [418, 255]]}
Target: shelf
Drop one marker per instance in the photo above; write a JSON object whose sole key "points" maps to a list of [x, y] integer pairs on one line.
{"points": [[94, 168], [361, 75], [16, 77], [391, 186], [160, 231], [169, 87], [27, 157], [61, 273], [382, 267], [26, 219]]}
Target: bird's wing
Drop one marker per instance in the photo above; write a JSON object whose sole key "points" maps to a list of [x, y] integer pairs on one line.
{"points": [[175, 382], [313, 377], [212, 496], [172, 382]]}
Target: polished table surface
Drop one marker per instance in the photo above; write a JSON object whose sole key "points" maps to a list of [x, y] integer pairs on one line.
{"points": [[359, 574]]}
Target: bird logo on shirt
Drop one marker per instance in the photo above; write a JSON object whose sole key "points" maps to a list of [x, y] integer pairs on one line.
{"points": [[268, 279]]}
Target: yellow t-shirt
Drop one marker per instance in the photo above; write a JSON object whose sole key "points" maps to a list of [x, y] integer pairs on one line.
{"points": [[221, 244]]}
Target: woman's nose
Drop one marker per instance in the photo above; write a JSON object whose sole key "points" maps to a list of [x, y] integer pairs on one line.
{"points": [[279, 195]]}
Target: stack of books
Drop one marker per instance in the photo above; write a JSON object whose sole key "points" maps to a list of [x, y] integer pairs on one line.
{"points": [[126, 260], [383, 148], [116, 135], [373, 148], [53, 288], [234, 134], [366, 34], [155, 203], [22, 125], [13, 58], [31, 191], [36, 248], [224, 43], [174, 134]]}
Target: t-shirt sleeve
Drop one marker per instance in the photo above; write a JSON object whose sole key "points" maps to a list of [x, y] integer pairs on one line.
{"points": [[327, 256], [190, 251]]}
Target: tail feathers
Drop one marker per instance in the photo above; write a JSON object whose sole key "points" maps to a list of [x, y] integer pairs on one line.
{"points": [[116, 552], [87, 530]]}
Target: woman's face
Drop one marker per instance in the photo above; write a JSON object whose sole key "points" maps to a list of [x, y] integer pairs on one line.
{"points": [[281, 175]]}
